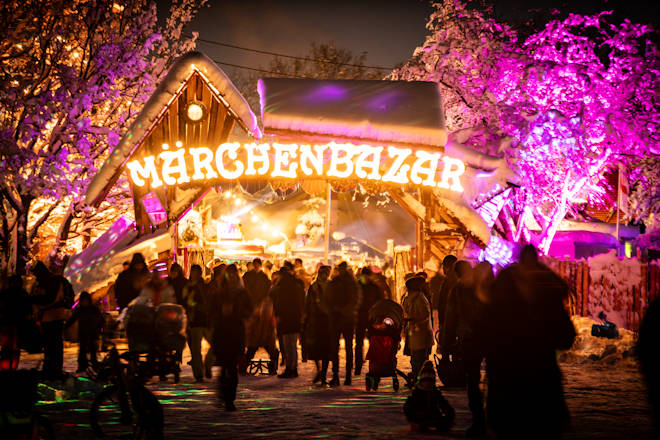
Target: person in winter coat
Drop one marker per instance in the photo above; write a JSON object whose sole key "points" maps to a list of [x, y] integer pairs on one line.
{"points": [[261, 325], [370, 294], [288, 304], [157, 291], [231, 309], [426, 407], [49, 296], [178, 282], [464, 311], [648, 350], [196, 302], [316, 324], [417, 312], [15, 310], [342, 302], [90, 324], [520, 331], [440, 291], [126, 287]]}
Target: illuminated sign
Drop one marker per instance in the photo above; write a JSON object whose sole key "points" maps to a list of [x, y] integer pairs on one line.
{"points": [[233, 160]]}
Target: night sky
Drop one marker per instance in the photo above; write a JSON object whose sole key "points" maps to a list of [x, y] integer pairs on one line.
{"points": [[388, 30]]}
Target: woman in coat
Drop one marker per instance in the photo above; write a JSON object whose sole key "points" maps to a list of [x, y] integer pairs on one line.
{"points": [[232, 308]]}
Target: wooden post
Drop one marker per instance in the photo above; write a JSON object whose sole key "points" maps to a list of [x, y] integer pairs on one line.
{"points": [[327, 225], [419, 244]]}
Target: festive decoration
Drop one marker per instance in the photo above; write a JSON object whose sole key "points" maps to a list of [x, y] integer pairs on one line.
{"points": [[334, 160], [568, 102]]}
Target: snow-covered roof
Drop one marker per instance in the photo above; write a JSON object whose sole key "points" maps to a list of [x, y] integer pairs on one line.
{"points": [[99, 264], [476, 227], [177, 76], [385, 111]]}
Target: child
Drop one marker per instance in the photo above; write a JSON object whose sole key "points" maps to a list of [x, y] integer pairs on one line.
{"points": [[90, 324], [427, 407]]}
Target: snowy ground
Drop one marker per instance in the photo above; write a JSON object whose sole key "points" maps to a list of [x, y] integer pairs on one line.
{"points": [[606, 402]]}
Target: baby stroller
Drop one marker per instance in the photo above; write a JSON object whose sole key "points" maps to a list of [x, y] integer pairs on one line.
{"points": [[169, 326], [384, 333], [156, 339]]}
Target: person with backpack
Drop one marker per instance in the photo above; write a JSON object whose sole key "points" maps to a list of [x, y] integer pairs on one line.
{"points": [[53, 297], [90, 324]]}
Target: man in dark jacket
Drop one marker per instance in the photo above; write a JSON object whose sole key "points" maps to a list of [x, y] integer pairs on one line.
{"points": [[178, 282], [343, 300], [370, 294], [126, 286], [15, 310], [520, 331], [48, 294], [197, 304], [260, 330], [288, 304], [440, 289], [464, 310]]}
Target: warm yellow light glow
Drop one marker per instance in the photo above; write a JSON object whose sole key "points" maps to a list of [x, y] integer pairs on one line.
{"points": [[195, 112], [232, 160], [399, 170], [138, 172]]}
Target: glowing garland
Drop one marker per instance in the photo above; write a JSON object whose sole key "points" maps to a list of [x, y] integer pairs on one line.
{"points": [[233, 160]]}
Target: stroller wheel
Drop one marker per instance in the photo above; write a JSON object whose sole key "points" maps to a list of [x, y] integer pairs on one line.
{"points": [[395, 383]]}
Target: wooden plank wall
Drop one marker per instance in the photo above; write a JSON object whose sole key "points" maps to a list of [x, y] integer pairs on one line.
{"points": [[173, 127], [576, 274]]}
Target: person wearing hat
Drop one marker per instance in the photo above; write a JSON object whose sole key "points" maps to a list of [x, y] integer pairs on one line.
{"points": [[426, 407], [418, 315]]}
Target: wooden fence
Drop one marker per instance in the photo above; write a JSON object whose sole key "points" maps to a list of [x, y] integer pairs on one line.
{"points": [[630, 304]]}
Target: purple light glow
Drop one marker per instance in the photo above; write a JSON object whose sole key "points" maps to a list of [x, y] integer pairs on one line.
{"points": [[327, 92]]}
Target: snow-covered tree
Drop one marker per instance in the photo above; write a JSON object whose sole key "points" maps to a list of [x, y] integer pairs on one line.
{"points": [[572, 98], [74, 74]]}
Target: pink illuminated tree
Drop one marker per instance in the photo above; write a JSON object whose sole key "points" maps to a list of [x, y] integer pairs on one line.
{"points": [[570, 100], [74, 75]]}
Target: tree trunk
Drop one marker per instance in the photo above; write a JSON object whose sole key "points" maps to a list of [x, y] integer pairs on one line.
{"points": [[21, 246], [62, 235], [551, 228]]}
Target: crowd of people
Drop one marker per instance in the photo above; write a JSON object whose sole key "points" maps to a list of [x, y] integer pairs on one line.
{"points": [[514, 321]]}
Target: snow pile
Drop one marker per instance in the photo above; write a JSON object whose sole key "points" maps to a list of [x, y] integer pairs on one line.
{"points": [[475, 226], [610, 290], [591, 348]]}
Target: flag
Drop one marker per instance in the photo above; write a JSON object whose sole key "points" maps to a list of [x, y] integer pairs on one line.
{"points": [[623, 190]]}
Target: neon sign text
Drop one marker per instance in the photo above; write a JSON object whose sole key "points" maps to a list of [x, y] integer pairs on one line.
{"points": [[233, 160]]}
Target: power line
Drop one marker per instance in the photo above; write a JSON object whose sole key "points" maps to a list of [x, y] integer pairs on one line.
{"points": [[258, 70], [265, 52]]}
